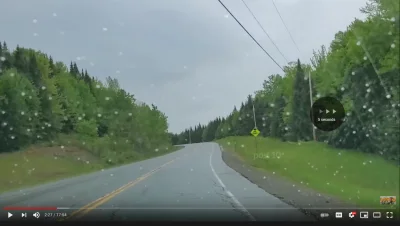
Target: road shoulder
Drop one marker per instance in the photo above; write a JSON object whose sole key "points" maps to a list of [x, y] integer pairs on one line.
{"points": [[305, 199]]}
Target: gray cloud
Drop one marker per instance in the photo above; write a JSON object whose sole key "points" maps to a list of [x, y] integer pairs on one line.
{"points": [[183, 55]]}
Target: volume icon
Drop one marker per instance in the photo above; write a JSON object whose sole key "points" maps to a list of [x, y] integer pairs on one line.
{"points": [[37, 215]]}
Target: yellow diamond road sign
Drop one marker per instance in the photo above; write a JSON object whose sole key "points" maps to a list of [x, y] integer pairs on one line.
{"points": [[255, 132]]}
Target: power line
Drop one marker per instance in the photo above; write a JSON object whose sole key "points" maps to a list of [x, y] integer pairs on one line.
{"points": [[284, 24], [259, 24], [250, 35]]}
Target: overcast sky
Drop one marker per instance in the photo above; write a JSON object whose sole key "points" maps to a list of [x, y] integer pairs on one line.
{"points": [[188, 57]]}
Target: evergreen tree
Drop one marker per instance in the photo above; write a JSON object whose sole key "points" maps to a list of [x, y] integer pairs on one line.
{"points": [[301, 125]]}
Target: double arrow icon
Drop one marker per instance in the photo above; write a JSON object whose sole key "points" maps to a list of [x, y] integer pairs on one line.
{"points": [[327, 111]]}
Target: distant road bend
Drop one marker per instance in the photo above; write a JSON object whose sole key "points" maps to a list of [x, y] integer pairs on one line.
{"points": [[190, 184]]}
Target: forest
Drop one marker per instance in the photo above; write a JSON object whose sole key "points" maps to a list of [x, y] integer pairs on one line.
{"points": [[360, 68], [42, 100]]}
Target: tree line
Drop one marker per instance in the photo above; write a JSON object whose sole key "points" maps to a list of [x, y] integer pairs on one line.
{"points": [[41, 99], [360, 69]]}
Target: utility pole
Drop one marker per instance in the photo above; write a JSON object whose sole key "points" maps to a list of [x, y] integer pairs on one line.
{"points": [[254, 117], [311, 101]]}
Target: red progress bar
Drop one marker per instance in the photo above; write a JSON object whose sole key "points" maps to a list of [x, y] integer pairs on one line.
{"points": [[30, 208]]}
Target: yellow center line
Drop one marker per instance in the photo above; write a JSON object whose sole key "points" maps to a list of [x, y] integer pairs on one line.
{"points": [[96, 203]]}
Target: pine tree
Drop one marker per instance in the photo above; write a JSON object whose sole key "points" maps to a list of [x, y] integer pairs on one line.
{"points": [[76, 69], [52, 67], [34, 71], [71, 68], [301, 125]]}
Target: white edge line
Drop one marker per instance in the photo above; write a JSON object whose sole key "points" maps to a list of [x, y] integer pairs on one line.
{"points": [[238, 204]]}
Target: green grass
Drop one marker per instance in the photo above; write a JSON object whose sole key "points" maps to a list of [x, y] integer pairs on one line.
{"points": [[350, 176], [48, 162]]}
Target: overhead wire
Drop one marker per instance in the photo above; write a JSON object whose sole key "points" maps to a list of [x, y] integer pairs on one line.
{"points": [[265, 51], [284, 24], [265, 32]]}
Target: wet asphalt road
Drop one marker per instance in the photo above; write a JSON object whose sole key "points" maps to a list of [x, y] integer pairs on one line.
{"points": [[190, 184]]}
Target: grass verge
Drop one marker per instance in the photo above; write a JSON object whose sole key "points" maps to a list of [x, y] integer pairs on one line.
{"points": [[350, 176], [66, 156]]}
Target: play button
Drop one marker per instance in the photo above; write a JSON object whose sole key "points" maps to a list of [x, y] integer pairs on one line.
{"points": [[10, 214], [327, 114]]}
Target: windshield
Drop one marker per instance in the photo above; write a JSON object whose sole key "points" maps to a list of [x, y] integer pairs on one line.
{"points": [[199, 110]]}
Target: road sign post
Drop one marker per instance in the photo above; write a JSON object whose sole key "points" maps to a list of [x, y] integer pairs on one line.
{"points": [[255, 132]]}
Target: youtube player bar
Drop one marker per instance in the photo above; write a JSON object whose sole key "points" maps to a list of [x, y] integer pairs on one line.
{"points": [[231, 215]]}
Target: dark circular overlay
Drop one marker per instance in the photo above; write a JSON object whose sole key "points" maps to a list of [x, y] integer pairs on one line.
{"points": [[327, 114]]}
